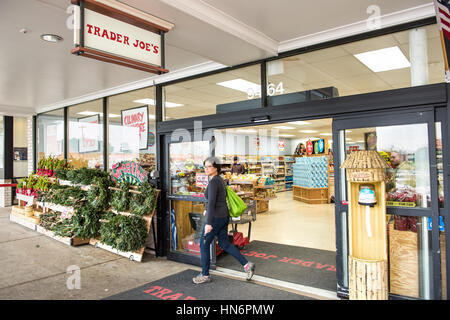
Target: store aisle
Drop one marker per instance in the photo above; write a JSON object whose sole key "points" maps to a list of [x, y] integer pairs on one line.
{"points": [[296, 223]]}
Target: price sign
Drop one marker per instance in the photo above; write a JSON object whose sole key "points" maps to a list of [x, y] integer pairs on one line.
{"points": [[201, 180]]}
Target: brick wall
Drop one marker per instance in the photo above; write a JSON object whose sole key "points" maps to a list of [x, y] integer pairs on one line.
{"points": [[5, 194], [30, 144]]}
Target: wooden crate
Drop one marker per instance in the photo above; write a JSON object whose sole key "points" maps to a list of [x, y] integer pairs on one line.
{"points": [[18, 217], [310, 195], [70, 241], [133, 256], [262, 206], [403, 262]]}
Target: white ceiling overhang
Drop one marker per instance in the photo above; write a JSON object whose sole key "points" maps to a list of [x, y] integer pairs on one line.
{"points": [[207, 35]]}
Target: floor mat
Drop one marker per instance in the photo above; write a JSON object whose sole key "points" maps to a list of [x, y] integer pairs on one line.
{"points": [[180, 287], [305, 266]]}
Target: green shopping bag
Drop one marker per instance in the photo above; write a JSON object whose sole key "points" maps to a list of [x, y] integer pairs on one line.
{"points": [[236, 206]]}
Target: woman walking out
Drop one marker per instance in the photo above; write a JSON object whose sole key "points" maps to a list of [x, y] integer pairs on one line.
{"points": [[217, 218]]}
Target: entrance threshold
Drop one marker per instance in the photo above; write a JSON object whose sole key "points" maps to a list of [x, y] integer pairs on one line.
{"points": [[316, 293]]}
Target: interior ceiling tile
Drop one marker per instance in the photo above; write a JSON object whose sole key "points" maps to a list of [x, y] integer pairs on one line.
{"points": [[323, 55], [382, 42], [342, 67]]}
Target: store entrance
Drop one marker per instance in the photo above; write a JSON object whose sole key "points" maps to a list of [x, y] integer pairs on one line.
{"points": [[286, 172]]}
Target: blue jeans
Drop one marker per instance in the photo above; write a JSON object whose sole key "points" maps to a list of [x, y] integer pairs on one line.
{"points": [[220, 230]]}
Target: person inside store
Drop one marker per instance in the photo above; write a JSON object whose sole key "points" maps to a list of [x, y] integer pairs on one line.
{"points": [[237, 167], [402, 171], [401, 188], [216, 225]]}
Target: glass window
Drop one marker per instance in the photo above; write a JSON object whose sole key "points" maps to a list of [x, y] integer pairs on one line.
{"points": [[410, 261], [405, 148], [187, 176], [439, 163], [358, 67], [50, 136], [20, 164], [187, 221], [86, 135], [132, 129], [228, 91]]}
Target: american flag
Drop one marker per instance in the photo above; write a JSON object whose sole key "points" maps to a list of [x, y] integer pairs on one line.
{"points": [[443, 18]]}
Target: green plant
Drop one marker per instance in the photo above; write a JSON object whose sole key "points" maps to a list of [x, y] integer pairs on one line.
{"points": [[49, 220], [99, 194], [86, 222], [63, 228], [120, 200], [143, 203], [124, 233]]}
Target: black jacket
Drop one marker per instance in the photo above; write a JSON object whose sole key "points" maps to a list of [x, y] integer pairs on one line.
{"points": [[216, 204]]}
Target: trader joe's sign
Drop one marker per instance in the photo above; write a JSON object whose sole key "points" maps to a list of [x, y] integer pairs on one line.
{"points": [[116, 33], [137, 118], [128, 171]]}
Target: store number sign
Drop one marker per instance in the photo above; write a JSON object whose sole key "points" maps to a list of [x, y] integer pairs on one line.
{"points": [[272, 90]]}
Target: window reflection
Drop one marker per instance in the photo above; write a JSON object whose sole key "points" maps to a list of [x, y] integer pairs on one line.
{"points": [[405, 149], [86, 135], [187, 175], [50, 138]]}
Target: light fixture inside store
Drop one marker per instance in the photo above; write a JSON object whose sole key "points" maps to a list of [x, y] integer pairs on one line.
{"points": [[326, 134], [286, 135], [384, 59], [308, 131], [51, 38], [246, 130], [152, 102], [88, 113], [284, 127], [93, 113], [300, 123], [241, 85]]}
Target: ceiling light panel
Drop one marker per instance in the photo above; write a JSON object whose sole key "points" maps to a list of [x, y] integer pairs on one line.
{"points": [[384, 59]]}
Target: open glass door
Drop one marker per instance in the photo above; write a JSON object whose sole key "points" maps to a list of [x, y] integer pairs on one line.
{"points": [[407, 141], [185, 196]]}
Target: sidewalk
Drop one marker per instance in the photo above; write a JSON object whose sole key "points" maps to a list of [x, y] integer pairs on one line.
{"points": [[34, 266]]}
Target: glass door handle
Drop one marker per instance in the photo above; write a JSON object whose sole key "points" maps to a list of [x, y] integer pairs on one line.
{"points": [[344, 202]]}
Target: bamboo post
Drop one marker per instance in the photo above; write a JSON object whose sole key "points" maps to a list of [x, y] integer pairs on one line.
{"points": [[368, 251]]}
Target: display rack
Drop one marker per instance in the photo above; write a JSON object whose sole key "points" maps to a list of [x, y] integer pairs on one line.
{"points": [[289, 172], [258, 192], [133, 256], [29, 216], [313, 193]]}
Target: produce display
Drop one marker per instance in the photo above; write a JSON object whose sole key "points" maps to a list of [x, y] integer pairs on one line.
{"points": [[404, 195], [143, 203], [120, 199], [77, 204], [31, 185], [47, 166], [84, 176], [63, 195], [124, 233]]}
